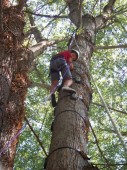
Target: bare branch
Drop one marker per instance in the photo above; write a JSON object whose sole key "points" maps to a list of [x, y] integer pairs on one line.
{"points": [[54, 18], [94, 5], [37, 137], [40, 47], [46, 16], [110, 47], [111, 164], [34, 30], [123, 133], [120, 111]]}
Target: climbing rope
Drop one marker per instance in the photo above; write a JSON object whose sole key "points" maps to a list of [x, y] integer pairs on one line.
{"points": [[12, 139], [104, 103], [81, 153]]}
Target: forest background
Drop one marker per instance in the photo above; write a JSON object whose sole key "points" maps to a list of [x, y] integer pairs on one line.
{"points": [[48, 22]]}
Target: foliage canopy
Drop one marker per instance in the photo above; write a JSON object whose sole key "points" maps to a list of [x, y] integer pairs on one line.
{"points": [[108, 67]]}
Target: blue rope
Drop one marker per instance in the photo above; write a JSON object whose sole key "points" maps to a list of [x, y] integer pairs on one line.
{"points": [[12, 139]]}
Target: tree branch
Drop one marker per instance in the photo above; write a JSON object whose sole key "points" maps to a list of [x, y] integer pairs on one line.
{"points": [[40, 47], [51, 21], [102, 19], [75, 11], [113, 131], [122, 10], [46, 16], [37, 138], [111, 164], [120, 111], [109, 7], [95, 5], [34, 30], [110, 47]]}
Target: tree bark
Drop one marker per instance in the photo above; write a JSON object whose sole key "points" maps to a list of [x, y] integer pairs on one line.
{"points": [[71, 125], [68, 149], [14, 64]]}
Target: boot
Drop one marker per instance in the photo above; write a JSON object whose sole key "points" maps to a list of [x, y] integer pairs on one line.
{"points": [[53, 100], [68, 89]]}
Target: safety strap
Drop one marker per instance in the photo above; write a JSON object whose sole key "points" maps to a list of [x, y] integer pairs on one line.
{"points": [[73, 111], [56, 57], [53, 70], [82, 154]]}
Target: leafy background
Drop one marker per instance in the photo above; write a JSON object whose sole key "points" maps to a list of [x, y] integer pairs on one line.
{"points": [[109, 69]]}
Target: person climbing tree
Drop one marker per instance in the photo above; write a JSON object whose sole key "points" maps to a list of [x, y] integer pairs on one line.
{"points": [[62, 63]]}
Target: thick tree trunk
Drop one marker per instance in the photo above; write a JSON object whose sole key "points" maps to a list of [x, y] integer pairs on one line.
{"points": [[68, 149], [71, 125], [14, 64]]}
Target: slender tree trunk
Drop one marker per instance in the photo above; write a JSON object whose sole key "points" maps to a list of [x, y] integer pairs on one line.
{"points": [[14, 64]]}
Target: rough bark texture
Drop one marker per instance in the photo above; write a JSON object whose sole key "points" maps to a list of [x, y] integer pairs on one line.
{"points": [[14, 64], [70, 127], [68, 149]]}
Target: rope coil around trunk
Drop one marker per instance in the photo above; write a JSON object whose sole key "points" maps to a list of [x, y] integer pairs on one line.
{"points": [[71, 111], [82, 154]]}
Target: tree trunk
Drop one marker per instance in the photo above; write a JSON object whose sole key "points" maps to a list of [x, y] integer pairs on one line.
{"points": [[70, 127], [68, 150], [14, 64]]}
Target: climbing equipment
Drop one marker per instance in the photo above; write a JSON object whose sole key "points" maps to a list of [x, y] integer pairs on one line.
{"points": [[68, 89], [77, 53]]}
